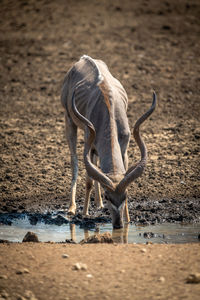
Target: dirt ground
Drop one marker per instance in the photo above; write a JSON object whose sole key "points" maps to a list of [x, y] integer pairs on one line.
{"points": [[125, 272], [147, 45]]}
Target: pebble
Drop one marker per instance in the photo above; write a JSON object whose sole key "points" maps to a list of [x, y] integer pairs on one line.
{"points": [[193, 278], [89, 276], [3, 277], [26, 271], [22, 271], [30, 237], [65, 256], [161, 279], [98, 238], [19, 272], [66, 45], [80, 266], [4, 294], [29, 295], [20, 298], [32, 257], [143, 250]]}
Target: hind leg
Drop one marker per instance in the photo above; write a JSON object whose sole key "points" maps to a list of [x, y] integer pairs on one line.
{"points": [[71, 134]]}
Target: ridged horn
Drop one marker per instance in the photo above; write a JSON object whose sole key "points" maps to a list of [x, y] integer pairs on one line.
{"points": [[136, 171], [93, 171]]}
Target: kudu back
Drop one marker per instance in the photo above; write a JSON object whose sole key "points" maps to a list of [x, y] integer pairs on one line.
{"points": [[96, 102]]}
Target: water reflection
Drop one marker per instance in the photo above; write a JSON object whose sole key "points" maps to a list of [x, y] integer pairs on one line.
{"points": [[118, 235], [121, 235], [87, 233], [160, 233]]}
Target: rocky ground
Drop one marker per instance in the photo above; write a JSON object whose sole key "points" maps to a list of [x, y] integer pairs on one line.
{"points": [[147, 45]]}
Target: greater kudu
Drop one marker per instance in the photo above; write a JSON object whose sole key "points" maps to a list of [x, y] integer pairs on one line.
{"points": [[96, 102]]}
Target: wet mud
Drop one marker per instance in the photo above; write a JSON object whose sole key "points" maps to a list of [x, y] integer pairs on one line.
{"points": [[53, 219], [55, 228], [142, 213]]}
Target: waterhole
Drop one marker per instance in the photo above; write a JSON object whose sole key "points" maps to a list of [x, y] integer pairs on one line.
{"points": [[55, 228]]}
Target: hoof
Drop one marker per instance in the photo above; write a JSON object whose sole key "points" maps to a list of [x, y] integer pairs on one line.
{"points": [[86, 215], [99, 205], [127, 219], [71, 211]]}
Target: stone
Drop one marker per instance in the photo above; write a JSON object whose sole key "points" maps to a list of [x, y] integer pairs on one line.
{"points": [[4, 294], [3, 277], [148, 235], [22, 271], [80, 266], [20, 298], [26, 271], [143, 250], [29, 295], [161, 279], [67, 44], [98, 238], [193, 278], [65, 256], [30, 237]]}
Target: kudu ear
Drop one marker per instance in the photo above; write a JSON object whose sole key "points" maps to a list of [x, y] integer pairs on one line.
{"points": [[136, 171]]}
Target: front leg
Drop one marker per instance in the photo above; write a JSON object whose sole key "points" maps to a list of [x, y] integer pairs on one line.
{"points": [[89, 184], [127, 217], [98, 198], [71, 134], [74, 167]]}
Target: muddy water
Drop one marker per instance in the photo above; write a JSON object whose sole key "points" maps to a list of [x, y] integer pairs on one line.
{"points": [[162, 233]]}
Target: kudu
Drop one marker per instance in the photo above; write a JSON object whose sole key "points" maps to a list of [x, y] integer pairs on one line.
{"points": [[96, 102]]}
